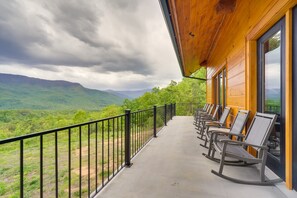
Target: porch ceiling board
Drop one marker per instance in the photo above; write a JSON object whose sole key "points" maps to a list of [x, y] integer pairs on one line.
{"points": [[199, 24], [207, 32]]}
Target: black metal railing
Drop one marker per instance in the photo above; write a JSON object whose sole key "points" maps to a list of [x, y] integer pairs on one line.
{"points": [[78, 160], [187, 109]]}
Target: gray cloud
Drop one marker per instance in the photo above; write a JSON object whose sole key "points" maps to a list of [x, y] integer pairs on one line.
{"points": [[103, 37]]}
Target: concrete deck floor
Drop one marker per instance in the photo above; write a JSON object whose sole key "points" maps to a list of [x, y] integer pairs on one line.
{"points": [[172, 166]]}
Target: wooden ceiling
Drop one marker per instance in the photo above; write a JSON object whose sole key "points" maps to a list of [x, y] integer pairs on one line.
{"points": [[197, 25]]}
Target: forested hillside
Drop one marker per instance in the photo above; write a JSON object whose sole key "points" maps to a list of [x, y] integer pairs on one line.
{"points": [[21, 92]]}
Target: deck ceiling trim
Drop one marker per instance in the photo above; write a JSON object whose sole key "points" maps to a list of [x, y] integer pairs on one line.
{"points": [[197, 25]]}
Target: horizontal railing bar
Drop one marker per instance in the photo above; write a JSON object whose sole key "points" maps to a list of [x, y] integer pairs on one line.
{"points": [[139, 111], [9, 140]]}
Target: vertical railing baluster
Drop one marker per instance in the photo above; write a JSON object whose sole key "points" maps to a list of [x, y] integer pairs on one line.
{"points": [[108, 133], [165, 115], [134, 135], [174, 109], [132, 129], [113, 147], [127, 137], [140, 131], [170, 111], [69, 162], [121, 140], [136, 132], [80, 161], [96, 156], [21, 168], [102, 129], [56, 164], [89, 190], [41, 166], [143, 129], [155, 121], [118, 143]]}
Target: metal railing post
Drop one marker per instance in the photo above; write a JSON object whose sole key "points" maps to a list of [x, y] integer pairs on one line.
{"points": [[174, 109], [155, 121], [165, 115], [127, 137], [171, 114]]}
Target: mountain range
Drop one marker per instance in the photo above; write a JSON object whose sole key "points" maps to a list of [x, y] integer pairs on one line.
{"points": [[22, 92], [129, 94]]}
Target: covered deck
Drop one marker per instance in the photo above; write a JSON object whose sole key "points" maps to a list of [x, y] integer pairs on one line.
{"points": [[172, 165]]}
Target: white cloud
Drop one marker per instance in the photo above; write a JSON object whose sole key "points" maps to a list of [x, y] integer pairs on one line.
{"points": [[106, 44]]}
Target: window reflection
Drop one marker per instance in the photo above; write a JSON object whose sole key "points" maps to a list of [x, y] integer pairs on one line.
{"points": [[221, 89], [272, 86]]}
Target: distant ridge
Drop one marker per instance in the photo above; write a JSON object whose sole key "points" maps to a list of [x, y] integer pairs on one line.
{"points": [[22, 92], [129, 94]]}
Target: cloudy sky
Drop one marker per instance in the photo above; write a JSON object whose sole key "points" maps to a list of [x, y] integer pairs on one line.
{"points": [[102, 44]]}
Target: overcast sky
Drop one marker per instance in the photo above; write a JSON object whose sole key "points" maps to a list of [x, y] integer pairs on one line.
{"points": [[102, 44]]}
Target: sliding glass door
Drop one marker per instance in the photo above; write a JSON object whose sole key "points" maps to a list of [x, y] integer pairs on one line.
{"points": [[271, 91]]}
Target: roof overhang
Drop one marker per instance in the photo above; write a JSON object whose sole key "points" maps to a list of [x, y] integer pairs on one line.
{"points": [[167, 16], [194, 27]]}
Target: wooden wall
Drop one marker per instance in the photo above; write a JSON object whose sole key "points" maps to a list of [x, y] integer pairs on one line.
{"points": [[230, 48], [236, 51], [236, 83]]}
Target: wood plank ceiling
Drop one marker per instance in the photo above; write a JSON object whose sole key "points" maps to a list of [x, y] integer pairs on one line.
{"points": [[197, 25]]}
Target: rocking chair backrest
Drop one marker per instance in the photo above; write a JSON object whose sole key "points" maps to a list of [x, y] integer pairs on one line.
{"points": [[224, 116], [210, 109], [260, 129], [207, 108], [239, 122], [214, 115]]}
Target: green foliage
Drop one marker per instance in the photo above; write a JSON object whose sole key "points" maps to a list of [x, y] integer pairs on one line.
{"points": [[111, 110], [188, 91]]}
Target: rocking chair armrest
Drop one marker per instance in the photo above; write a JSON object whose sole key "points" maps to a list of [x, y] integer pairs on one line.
{"points": [[234, 142], [214, 134], [212, 123], [219, 132], [238, 135], [204, 117], [209, 119]]}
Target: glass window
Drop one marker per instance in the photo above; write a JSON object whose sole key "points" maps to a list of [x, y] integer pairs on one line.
{"points": [[271, 91], [221, 91], [272, 67]]}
